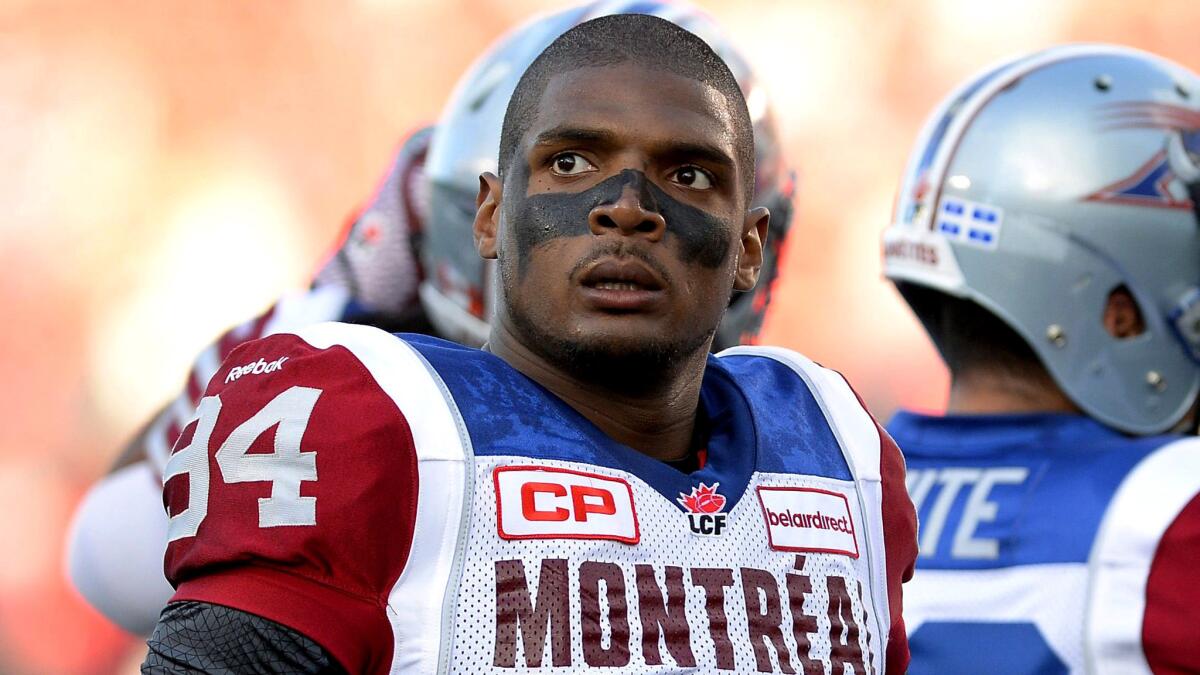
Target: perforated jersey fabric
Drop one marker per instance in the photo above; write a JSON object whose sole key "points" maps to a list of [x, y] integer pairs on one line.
{"points": [[605, 558], [760, 602], [198, 637]]}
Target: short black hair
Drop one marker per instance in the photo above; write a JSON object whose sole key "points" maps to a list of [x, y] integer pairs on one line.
{"points": [[637, 38], [969, 337]]}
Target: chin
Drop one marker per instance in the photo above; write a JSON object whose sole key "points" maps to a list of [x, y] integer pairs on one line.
{"points": [[616, 354], [623, 361]]}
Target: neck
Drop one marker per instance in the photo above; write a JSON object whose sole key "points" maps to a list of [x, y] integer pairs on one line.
{"points": [[658, 421], [984, 392]]}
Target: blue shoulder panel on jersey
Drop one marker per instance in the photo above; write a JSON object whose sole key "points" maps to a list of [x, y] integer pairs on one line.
{"points": [[794, 435], [1001, 490], [506, 413]]}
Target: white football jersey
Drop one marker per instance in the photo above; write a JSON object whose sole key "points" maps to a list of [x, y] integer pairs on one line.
{"points": [[421, 507]]}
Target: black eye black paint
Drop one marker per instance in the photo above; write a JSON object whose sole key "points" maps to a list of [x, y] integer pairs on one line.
{"points": [[540, 218]]}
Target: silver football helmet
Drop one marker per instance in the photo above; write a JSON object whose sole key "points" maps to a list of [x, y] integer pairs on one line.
{"points": [[457, 288], [1044, 184]]}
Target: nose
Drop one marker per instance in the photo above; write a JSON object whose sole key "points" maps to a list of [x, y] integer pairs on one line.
{"points": [[628, 215]]}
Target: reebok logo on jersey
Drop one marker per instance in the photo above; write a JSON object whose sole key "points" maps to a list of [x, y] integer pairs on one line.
{"points": [[704, 508], [551, 503], [808, 519], [258, 367]]}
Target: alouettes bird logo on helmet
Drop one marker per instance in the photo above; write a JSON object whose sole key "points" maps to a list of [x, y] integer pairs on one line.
{"points": [[1171, 178], [704, 507]]}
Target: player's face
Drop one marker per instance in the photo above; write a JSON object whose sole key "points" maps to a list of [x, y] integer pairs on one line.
{"points": [[623, 225]]}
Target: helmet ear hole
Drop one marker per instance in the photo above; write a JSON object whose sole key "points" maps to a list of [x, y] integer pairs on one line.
{"points": [[1122, 317]]}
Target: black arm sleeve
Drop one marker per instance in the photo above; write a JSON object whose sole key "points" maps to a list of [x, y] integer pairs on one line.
{"points": [[198, 637]]}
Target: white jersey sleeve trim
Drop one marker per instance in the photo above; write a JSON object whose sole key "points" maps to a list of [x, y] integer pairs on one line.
{"points": [[860, 443], [416, 602], [1148, 501]]}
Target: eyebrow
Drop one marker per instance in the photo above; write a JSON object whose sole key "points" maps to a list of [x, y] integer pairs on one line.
{"points": [[684, 149], [700, 151], [570, 134]]}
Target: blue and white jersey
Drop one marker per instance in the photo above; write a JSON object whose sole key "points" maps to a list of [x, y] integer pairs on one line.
{"points": [[1051, 544], [415, 506]]}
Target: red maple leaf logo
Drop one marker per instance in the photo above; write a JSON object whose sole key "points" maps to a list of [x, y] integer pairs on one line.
{"points": [[703, 499]]}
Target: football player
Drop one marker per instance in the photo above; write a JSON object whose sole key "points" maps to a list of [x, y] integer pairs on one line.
{"points": [[401, 266], [1047, 236], [592, 490]]}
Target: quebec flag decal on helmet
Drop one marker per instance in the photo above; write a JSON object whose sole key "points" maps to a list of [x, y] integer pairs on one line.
{"points": [[456, 292], [1043, 185]]}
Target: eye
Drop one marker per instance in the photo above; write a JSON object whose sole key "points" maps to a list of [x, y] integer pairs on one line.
{"points": [[693, 177], [570, 164]]}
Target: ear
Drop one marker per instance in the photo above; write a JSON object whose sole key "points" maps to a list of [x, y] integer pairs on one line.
{"points": [[487, 214], [754, 235]]}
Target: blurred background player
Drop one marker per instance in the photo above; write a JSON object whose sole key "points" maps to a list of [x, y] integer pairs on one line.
{"points": [[1047, 236], [406, 263]]}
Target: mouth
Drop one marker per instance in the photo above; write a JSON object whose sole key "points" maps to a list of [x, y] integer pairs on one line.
{"points": [[622, 285]]}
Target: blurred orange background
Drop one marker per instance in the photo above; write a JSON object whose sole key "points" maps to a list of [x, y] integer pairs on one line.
{"points": [[171, 167]]}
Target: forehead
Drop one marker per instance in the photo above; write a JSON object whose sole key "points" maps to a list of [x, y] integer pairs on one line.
{"points": [[641, 104]]}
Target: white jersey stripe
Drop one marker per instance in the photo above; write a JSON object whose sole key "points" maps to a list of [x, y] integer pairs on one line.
{"points": [[1145, 505], [859, 439], [1050, 596], [425, 587]]}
